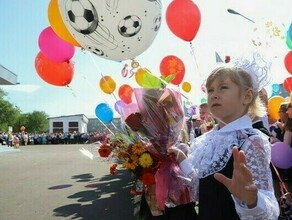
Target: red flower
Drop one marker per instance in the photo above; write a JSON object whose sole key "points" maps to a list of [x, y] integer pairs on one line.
{"points": [[113, 169], [104, 150], [148, 179], [134, 121]]}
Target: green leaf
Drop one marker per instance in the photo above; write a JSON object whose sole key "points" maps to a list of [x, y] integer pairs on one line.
{"points": [[168, 78]]}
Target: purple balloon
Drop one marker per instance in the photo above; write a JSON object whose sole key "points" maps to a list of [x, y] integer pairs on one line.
{"points": [[119, 106], [53, 47], [281, 155]]}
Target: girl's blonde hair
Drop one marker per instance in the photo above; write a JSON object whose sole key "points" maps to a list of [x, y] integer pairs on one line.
{"points": [[244, 81]]}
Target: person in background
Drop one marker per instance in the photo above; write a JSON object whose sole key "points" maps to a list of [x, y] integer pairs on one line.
{"points": [[278, 130]]}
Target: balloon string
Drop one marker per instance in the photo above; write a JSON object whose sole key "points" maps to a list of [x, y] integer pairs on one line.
{"points": [[115, 127], [105, 126], [193, 54], [71, 90]]}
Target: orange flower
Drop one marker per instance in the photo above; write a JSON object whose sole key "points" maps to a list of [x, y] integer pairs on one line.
{"points": [[130, 164], [104, 150], [113, 169], [148, 179], [138, 148]]}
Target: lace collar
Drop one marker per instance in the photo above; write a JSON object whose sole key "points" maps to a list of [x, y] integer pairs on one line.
{"points": [[210, 152], [242, 123]]}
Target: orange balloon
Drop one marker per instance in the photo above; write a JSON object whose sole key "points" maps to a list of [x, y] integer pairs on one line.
{"points": [[186, 86], [291, 98], [125, 93], [55, 73], [172, 65], [58, 25], [273, 106], [107, 84]]}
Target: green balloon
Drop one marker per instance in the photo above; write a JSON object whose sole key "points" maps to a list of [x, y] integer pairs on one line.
{"points": [[203, 100], [288, 41]]}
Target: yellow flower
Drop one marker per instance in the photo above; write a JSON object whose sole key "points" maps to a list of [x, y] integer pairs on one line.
{"points": [[145, 160]]}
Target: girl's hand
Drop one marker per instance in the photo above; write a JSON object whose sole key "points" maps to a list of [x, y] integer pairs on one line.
{"points": [[241, 184], [178, 155]]}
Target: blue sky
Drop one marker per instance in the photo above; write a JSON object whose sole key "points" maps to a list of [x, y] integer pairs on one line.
{"points": [[22, 22]]}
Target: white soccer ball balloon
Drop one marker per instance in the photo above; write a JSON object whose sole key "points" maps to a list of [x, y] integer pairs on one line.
{"points": [[113, 29]]}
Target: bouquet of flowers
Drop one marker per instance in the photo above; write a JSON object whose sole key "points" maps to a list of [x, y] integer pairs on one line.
{"points": [[159, 121]]}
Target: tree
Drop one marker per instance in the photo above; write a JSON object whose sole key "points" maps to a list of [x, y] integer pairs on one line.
{"points": [[8, 113], [37, 121]]}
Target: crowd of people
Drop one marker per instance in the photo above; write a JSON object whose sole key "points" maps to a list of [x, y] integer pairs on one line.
{"points": [[23, 138]]}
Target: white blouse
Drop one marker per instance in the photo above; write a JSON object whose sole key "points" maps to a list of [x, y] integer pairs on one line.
{"points": [[210, 153]]}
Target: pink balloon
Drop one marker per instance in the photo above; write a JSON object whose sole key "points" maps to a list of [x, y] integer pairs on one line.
{"points": [[53, 47]]}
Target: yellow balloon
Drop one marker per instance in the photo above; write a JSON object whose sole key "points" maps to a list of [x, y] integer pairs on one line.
{"points": [[139, 76], [186, 86], [58, 25], [107, 84], [291, 97], [273, 106]]}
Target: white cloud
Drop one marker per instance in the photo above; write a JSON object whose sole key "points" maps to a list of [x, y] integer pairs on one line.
{"points": [[21, 88]]}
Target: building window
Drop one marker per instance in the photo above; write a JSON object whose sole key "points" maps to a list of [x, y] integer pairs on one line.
{"points": [[58, 127], [73, 126]]}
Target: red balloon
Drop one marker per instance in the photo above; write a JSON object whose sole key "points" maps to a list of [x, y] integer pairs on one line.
{"points": [[288, 62], [125, 93], [173, 65], [55, 73], [288, 84], [183, 18]]}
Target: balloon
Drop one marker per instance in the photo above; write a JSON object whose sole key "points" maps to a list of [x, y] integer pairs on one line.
{"points": [[289, 41], [273, 106], [107, 84], [172, 65], [119, 106], [58, 74], [146, 79], [288, 62], [289, 33], [203, 100], [58, 25], [125, 109], [125, 93], [114, 30], [183, 18], [276, 88], [287, 84], [281, 155], [186, 86], [104, 112], [53, 47]]}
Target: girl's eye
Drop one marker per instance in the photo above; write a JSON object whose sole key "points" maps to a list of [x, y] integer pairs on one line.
{"points": [[224, 87], [210, 90]]}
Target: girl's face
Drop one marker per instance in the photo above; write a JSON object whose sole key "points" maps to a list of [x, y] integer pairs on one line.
{"points": [[289, 112], [226, 101]]}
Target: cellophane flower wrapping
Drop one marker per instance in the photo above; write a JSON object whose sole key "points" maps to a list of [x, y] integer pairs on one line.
{"points": [[160, 120]]}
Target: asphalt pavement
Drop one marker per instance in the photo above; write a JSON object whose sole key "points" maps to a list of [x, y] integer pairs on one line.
{"points": [[50, 182]]}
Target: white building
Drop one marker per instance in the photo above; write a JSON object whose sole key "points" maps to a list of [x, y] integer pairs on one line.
{"points": [[7, 77], [68, 123]]}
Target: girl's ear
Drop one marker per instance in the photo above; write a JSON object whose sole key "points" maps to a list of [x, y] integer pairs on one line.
{"points": [[248, 97]]}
